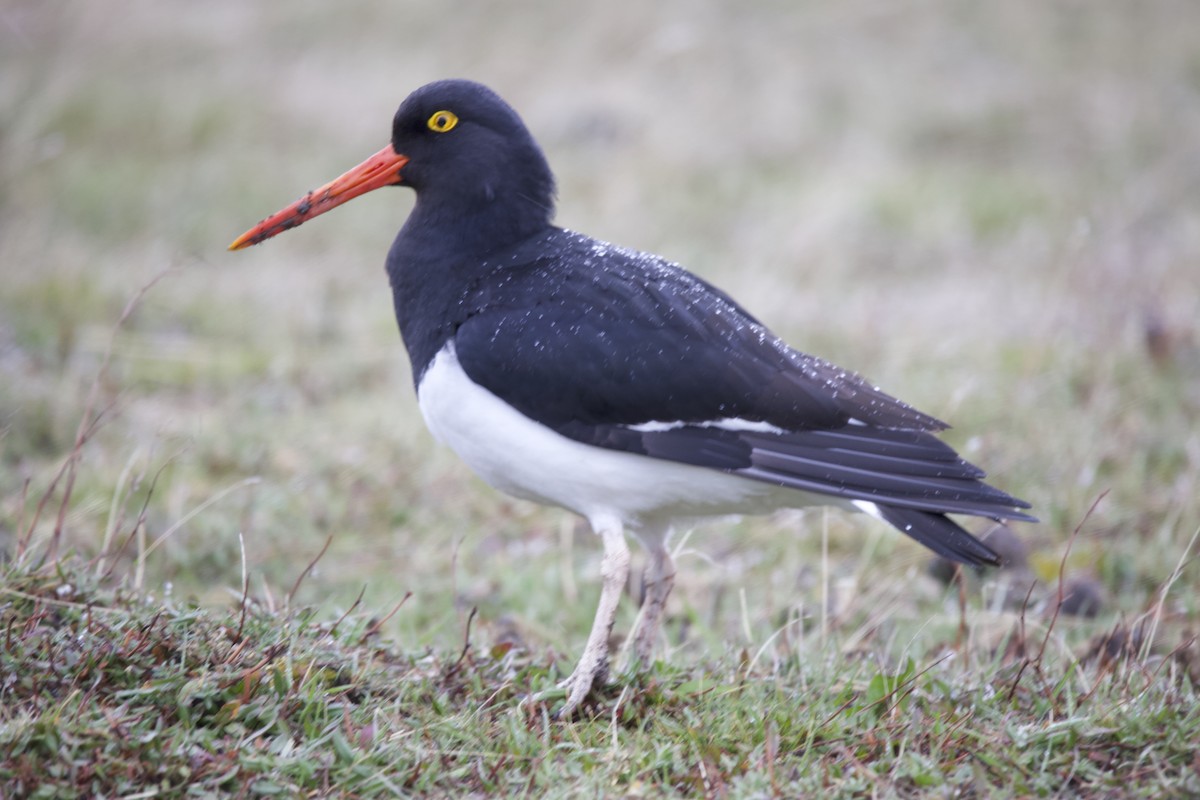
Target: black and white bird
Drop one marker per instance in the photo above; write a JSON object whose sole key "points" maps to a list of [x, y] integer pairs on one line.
{"points": [[616, 384]]}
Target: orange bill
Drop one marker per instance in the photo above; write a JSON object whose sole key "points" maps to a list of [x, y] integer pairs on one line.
{"points": [[381, 169]]}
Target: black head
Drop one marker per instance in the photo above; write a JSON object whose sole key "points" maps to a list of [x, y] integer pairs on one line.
{"points": [[470, 157], [461, 138]]}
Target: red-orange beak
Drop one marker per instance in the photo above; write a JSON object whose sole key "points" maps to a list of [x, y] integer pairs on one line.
{"points": [[381, 169]]}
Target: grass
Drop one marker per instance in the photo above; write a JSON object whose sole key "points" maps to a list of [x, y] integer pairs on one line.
{"points": [[988, 210], [116, 694]]}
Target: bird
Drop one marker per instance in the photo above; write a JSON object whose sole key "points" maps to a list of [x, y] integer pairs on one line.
{"points": [[615, 383]]}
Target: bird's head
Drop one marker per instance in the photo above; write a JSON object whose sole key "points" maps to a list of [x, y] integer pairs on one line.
{"points": [[459, 145]]}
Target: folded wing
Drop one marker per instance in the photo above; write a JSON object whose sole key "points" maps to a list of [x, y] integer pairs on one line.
{"points": [[646, 358]]}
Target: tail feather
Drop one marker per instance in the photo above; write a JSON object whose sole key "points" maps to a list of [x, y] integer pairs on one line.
{"points": [[940, 534]]}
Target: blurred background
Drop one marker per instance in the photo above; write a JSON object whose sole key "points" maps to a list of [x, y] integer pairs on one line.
{"points": [[991, 210]]}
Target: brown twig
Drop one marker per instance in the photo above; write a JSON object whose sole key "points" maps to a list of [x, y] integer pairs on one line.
{"points": [[466, 646], [1036, 662], [348, 611], [308, 569], [374, 629], [1021, 642]]}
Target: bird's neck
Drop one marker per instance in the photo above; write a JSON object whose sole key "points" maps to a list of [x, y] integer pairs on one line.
{"points": [[474, 226], [442, 250]]}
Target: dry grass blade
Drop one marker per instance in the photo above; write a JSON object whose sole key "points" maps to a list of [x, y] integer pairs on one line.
{"points": [[88, 421], [304, 573]]}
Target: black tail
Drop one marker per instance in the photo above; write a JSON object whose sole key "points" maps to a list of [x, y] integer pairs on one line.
{"points": [[941, 535]]}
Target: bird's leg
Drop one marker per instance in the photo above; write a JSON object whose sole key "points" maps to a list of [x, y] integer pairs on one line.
{"points": [[593, 665], [659, 578]]}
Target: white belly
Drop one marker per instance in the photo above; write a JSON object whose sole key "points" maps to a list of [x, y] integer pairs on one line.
{"points": [[528, 460]]}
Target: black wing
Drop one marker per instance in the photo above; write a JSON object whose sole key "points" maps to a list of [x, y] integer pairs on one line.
{"points": [[625, 351]]}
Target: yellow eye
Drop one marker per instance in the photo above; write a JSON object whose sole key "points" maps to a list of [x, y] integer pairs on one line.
{"points": [[442, 121]]}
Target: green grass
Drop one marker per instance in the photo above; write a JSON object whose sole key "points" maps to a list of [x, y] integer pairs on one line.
{"points": [[988, 209], [115, 694]]}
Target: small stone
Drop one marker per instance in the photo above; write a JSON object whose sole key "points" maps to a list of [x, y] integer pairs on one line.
{"points": [[1083, 596]]}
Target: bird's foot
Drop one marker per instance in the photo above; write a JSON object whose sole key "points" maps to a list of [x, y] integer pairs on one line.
{"points": [[589, 674]]}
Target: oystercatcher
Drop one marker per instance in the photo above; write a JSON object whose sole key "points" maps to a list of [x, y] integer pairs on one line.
{"points": [[613, 383]]}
